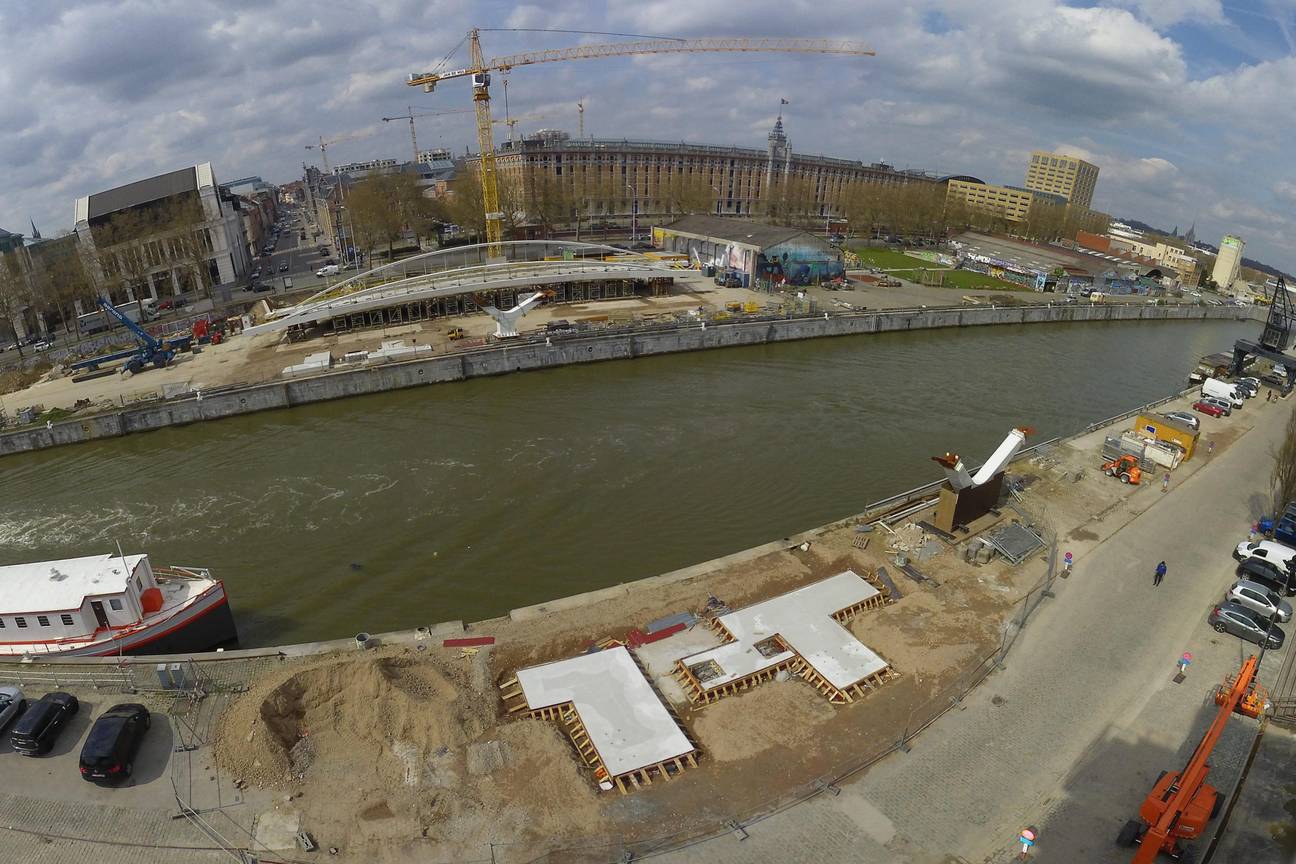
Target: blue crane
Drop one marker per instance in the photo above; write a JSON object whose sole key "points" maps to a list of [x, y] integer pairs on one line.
{"points": [[149, 350]]}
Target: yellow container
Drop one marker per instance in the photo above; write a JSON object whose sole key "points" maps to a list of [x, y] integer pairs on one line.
{"points": [[1163, 429]]}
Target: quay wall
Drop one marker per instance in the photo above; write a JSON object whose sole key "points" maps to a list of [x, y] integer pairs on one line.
{"points": [[566, 351]]}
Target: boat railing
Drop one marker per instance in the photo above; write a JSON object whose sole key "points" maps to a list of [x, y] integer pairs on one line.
{"points": [[174, 571]]}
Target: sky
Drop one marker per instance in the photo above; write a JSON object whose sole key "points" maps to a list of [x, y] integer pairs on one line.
{"points": [[1187, 106]]}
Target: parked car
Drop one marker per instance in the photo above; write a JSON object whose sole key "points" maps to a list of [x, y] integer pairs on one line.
{"points": [[1247, 387], [12, 704], [1278, 554], [1185, 418], [34, 734], [1226, 407], [1261, 599], [283, 268], [108, 755], [42, 345], [1268, 574], [1231, 618], [255, 274], [1208, 409]]}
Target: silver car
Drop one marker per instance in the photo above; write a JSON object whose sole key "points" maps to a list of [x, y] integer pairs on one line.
{"points": [[1258, 598], [12, 704], [1185, 418]]}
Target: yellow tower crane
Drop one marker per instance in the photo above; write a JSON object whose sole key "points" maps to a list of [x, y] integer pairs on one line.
{"points": [[479, 70], [410, 116]]}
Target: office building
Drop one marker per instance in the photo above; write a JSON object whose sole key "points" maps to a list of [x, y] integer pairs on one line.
{"points": [[1010, 203], [1074, 179], [161, 236]]}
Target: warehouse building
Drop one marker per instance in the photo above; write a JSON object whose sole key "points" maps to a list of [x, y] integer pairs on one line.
{"points": [[756, 254]]}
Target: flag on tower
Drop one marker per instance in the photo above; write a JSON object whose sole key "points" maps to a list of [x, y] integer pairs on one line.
{"points": [[784, 102]]}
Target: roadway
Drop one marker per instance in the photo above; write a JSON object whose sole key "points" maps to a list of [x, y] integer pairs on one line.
{"points": [[1071, 735]]}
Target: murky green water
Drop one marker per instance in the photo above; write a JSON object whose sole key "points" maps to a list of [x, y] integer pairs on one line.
{"points": [[466, 500]]}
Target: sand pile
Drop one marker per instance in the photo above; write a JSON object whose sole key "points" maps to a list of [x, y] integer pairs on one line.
{"points": [[395, 749], [382, 717]]}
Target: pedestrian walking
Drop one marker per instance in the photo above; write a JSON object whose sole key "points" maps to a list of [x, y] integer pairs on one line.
{"points": [[1210, 447], [1160, 574], [1184, 662], [1165, 481]]}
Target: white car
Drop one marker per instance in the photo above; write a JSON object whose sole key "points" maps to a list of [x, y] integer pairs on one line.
{"points": [[1266, 550], [1258, 598], [42, 346]]}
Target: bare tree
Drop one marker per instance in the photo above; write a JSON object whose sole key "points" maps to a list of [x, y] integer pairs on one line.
{"points": [[15, 294], [1282, 483]]}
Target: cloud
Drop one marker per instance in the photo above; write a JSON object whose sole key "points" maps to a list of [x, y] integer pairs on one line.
{"points": [[109, 91]]}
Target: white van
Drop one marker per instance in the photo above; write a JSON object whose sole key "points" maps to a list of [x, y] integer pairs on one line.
{"points": [[1278, 554], [1223, 390], [327, 270]]}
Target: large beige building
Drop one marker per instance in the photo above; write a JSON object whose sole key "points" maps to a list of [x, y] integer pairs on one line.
{"points": [[1007, 202], [616, 179], [1074, 179], [1228, 264]]}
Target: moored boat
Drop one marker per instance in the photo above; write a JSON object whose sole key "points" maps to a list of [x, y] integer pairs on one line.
{"points": [[103, 605]]}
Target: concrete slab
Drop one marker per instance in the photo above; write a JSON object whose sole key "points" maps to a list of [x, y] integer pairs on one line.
{"points": [[803, 620], [625, 719], [276, 830], [659, 658]]}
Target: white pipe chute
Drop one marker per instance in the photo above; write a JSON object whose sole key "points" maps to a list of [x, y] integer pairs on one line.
{"points": [[957, 474]]}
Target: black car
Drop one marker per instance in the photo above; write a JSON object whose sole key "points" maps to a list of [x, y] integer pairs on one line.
{"points": [[1267, 574], [35, 733], [283, 268], [108, 754]]}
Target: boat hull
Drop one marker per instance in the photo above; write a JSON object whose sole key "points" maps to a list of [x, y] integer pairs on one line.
{"points": [[200, 625]]}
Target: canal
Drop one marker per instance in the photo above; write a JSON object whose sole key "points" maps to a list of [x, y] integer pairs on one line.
{"points": [[466, 500]]}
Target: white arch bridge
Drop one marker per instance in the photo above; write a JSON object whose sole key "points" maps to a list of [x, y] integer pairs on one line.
{"points": [[466, 270]]}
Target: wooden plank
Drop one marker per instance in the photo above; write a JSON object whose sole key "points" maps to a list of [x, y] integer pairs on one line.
{"points": [[469, 642]]}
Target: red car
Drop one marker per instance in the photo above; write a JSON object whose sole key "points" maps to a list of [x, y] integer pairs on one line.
{"points": [[1207, 409]]}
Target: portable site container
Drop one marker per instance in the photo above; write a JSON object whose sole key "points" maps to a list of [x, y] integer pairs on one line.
{"points": [[1165, 429]]}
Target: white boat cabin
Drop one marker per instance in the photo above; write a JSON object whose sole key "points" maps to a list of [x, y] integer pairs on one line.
{"points": [[75, 597]]}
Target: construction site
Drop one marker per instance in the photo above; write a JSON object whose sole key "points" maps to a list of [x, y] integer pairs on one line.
{"points": [[664, 707]]}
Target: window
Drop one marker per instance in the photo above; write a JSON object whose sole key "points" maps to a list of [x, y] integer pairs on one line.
{"points": [[2, 624], [138, 587], [21, 622], [115, 604], [66, 619], [42, 620]]}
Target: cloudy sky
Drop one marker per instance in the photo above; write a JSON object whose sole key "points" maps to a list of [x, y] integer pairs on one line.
{"points": [[1188, 106]]}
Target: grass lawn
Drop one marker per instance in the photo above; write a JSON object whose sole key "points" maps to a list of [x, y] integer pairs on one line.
{"points": [[885, 259]]}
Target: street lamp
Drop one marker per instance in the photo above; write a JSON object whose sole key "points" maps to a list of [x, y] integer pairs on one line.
{"points": [[634, 214]]}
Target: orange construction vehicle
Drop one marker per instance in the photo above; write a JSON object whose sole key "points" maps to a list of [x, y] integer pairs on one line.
{"points": [[1182, 802], [1126, 468]]}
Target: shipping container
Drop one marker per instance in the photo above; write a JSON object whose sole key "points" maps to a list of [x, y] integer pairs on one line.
{"points": [[1165, 429]]}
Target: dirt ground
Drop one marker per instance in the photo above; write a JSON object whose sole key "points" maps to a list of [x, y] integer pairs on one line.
{"points": [[431, 764]]}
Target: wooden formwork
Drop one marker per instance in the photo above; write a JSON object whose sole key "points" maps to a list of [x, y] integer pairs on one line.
{"points": [[697, 692], [566, 714]]}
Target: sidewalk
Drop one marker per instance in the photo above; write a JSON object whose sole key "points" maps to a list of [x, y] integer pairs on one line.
{"points": [[1086, 693]]}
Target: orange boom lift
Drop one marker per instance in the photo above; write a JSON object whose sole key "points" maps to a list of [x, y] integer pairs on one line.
{"points": [[1182, 802]]}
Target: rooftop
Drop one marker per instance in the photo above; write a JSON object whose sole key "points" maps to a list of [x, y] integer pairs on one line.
{"points": [[50, 586], [737, 230], [625, 718], [145, 191]]}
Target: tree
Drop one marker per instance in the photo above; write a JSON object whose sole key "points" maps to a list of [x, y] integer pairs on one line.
{"points": [[186, 239], [1282, 483], [15, 294]]}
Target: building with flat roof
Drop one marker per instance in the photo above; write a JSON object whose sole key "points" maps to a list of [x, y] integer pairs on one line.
{"points": [[752, 251], [1011, 203], [1228, 264], [617, 180], [163, 235], [1072, 178]]}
